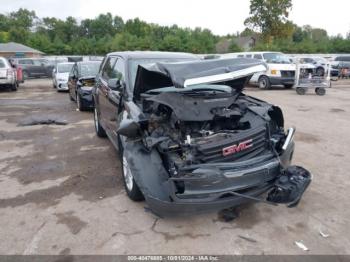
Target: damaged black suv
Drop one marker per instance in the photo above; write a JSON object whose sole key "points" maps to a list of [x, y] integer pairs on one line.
{"points": [[189, 140]]}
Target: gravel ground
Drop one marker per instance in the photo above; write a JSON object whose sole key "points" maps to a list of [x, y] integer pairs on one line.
{"points": [[61, 188]]}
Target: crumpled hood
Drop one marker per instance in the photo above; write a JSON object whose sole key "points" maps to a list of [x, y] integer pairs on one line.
{"points": [[230, 72]]}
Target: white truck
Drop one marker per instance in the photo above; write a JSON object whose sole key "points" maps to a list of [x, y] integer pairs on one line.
{"points": [[281, 70]]}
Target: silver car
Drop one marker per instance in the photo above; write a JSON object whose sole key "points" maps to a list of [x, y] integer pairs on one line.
{"points": [[60, 76]]}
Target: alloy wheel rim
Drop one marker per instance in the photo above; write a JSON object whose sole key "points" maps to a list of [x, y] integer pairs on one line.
{"points": [[128, 177], [262, 83]]}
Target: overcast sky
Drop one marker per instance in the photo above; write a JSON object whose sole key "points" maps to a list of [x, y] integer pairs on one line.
{"points": [[221, 16]]}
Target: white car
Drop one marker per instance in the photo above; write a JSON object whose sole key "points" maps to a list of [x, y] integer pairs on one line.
{"points": [[8, 75], [281, 71], [60, 76]]}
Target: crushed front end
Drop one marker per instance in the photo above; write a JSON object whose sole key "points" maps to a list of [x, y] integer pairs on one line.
{"points": [[208, 148]]}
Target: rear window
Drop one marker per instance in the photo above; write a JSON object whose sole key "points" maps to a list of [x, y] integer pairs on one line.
{"points": [[89, 69]]}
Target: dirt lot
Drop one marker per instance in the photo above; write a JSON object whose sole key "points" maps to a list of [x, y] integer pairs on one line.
{"points": [[61, 189]]}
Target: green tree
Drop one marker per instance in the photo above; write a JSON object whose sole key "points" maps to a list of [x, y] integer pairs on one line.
{"points": [[269, 17], [23, 18]]}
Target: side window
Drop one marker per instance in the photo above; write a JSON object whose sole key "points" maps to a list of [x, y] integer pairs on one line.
{"points": [[258, 56], [118, 70], [25, 62], [37, 62], [248, 56], [240, 56], [107, 71]]}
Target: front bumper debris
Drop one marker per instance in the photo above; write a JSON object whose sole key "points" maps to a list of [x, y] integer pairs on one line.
{"points": [[87, 99], [290, 186]]}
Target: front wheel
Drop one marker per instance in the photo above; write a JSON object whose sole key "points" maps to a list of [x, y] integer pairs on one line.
{"points": [[264, 82], [80, 104], [132, 190], [98, 128]]}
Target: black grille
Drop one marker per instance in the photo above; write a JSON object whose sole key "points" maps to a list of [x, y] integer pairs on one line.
{"points": [[285, 73], [213, 151]]}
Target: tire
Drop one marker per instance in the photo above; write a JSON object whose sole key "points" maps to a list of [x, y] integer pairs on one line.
{"points": [[288, 86], [98, 128], [301, 90], [264, 82], [320, 71], [320, 91], [25, 75], [14, 87], [131, 188], [80, 105]]}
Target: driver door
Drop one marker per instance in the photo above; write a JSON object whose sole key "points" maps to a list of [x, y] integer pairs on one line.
{"points": [[108, 96]]}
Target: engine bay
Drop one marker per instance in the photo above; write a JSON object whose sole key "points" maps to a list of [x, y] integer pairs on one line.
{"points": [[193, 128]]}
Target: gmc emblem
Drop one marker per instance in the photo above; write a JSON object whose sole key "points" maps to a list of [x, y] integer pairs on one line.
{"points": [[237, 148]]}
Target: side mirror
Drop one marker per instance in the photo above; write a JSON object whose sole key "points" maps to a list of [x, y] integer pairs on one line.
{"points": [[114, 84], [128, 128]]}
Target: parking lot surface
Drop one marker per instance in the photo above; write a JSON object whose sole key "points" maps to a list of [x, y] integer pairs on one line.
{"points": [[61, 188]]}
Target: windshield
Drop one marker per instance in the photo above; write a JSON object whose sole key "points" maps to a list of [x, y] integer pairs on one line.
{"points": [[64, 68], [133, 65], [320, 60], [2, 64], [89, 69], [276, 58]]}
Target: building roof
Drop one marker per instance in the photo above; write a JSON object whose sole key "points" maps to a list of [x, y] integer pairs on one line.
{"points": [[12, 47]]}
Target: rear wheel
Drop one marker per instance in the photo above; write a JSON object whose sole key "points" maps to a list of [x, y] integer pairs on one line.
{"points": [[132, 189], [98, 128], [264, 82]]}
